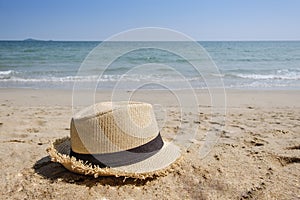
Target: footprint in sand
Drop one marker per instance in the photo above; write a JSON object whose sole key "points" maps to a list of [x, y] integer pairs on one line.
{"points": [[285, 160], [279, 132], [297, 147], [32, 130], [257, 142], [14, 140]]}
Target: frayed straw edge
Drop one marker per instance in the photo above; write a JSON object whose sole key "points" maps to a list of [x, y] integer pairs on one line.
{"points": [[81, 167]]}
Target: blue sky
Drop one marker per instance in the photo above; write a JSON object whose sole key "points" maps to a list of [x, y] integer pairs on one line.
{"points": [[200, 19]]}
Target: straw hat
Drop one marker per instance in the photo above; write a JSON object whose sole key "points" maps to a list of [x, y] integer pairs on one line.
{"points": [[115, 139]]}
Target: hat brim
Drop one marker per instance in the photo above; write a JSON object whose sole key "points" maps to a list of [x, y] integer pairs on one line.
{"points": [[156, 165]]}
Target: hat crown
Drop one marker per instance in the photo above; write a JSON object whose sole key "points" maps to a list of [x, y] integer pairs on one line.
{"points": [[109, 127]]}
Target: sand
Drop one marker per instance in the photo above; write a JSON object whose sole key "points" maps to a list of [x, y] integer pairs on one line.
{"points": [[257, 155]]}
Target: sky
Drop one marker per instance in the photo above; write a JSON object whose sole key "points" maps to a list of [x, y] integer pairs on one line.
{"points": [[203, 20]]}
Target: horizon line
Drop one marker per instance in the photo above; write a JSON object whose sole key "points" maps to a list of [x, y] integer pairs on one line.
{"points": [[225, 40]]}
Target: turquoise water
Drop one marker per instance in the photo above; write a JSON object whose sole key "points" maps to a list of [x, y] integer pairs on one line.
{"points": [[51, 64]]}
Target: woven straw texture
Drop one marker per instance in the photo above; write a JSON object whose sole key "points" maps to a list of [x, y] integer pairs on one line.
{"points": [[111, 127]]}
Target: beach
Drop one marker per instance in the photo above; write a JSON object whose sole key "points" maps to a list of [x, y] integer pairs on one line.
{"points": [[79, 82], [257, 154]]}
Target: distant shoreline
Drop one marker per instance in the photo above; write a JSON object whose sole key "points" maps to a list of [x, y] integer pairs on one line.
{"points": [[51, 40]]}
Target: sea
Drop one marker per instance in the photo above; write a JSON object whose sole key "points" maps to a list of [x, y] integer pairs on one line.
{"points": [[273, 65]]}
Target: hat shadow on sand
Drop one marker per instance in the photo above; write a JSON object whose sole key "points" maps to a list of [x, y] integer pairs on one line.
{"points": [[56, 172]]}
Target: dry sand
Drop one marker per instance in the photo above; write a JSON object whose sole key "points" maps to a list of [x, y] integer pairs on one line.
{"points": [[257, 155]]}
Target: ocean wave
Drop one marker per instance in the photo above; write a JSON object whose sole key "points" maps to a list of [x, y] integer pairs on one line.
{"points": [[6, 74], [270, 76], [49, 79], [103, 78], [281, 74]]}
